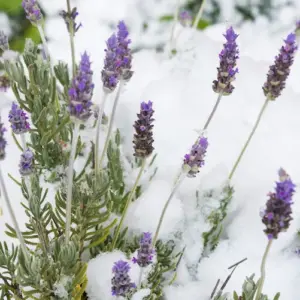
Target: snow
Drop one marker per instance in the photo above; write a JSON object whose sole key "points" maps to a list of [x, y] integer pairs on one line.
{"points": [[180, 88]]}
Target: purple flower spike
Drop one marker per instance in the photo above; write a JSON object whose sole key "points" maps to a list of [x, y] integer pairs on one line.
{"points": [[4, 83], [110, 73], [2, 141], [185, 18], [143, 138], [26, 163], [71, 17], [3, 41], [81, 91], [277, 215], [18, 119], [121, 282], [195, 159], [146, 251], [32, 10], [124, 52], [227, 69], [279, 72]]}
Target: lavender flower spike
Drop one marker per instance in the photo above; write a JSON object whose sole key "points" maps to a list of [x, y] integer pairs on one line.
{"points": [[143, 138], [185, 18], [121, 282], [32, 10], [146, 251], [18, 119], [110, 74], [71, 17], [3, 142], [3, 41], [124, 52], [195, 160], [4, 83], [81, 91], [227, 69], [26, 163], [277, 215], [279, 72]]}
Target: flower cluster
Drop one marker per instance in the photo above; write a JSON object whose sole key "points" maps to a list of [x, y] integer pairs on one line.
{"points": [[2, 141], [227, 69], [279, 72], [32, 10], [18, 119], [118, 58], [81, 91], [185, 18], [4, 83], [146, 251], [70, 19], [277, 215], [26, 163], [121, 282], [3, 41], [143, 138]]}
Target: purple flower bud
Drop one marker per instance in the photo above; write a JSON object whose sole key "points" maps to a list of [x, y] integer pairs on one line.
{"points": [[278, 211], [26, 163], [279, 72], [4, 83], [185, 18], [18, 119], [81, 91], [3, 41], [121, 282], [110, 74], [32, 10], [146, 251], [227, 70], [2, 141], [195, 159], [143, 138], [124, 52], [71, 18]]}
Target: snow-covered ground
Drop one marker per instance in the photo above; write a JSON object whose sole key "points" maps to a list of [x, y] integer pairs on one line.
{"points": [[180, 89]]}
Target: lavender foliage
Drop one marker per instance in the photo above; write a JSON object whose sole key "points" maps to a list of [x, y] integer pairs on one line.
{"points": [[227, 69], [277, 215], [4, 83], [279, 72], [143, 138], [70, 19], [26, 163], [3, 41], [145, 252], [121, 282], [81, 91], [185, 18], [32, 10], [3, 142], [195, 159], [18, 119]]}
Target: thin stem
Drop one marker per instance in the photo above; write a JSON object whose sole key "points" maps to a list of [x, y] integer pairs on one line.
{"points": [[13, 218], [129, 199], [176, 13], [263, 271], [249, 139], [140, 278], [71, 34], [213, 111], [45, 46], [199, 15], [23, 141], [174, 190], [70, 182], [111, 122], [98, 126]]}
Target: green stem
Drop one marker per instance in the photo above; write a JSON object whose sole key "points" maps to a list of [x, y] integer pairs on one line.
{"points": [[263, 271], [249, 139], [70, 182], [129, 199], [140, 278], [177, 184], [98, 126], [71, 34], [199, 15], [213, 111], [174, 24], [110, 126], [23, 141], [13, 218]]}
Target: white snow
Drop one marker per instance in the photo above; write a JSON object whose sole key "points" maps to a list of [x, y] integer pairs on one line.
{"points": [[180, 89]]}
